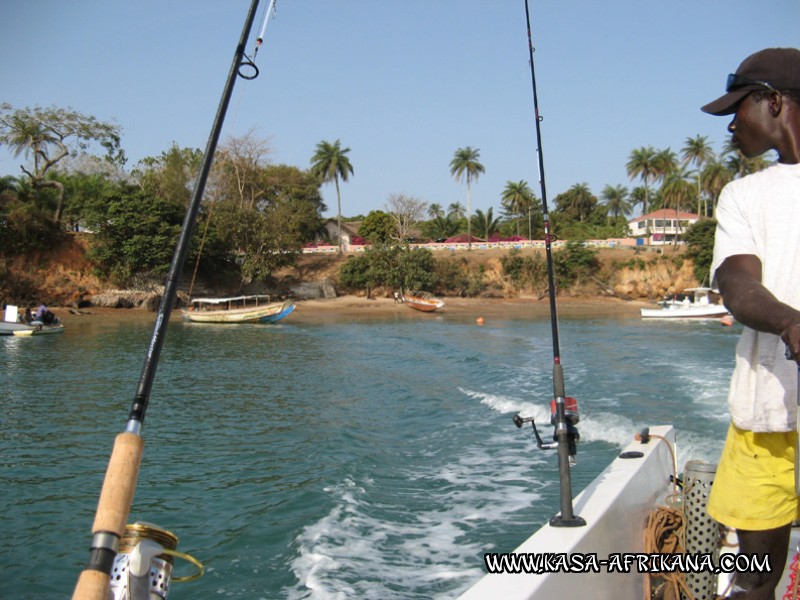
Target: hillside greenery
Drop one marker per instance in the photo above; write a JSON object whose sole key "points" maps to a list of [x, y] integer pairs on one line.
{"points": [[256, 216]]}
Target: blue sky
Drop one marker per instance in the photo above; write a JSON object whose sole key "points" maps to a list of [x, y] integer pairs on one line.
{"points": [[403, 84]]}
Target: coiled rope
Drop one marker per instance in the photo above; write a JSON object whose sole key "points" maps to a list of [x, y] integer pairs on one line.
{"points": [[665, 533]]}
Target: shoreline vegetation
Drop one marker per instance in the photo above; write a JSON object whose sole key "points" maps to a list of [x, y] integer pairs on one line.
{"points": [[620, 281]]}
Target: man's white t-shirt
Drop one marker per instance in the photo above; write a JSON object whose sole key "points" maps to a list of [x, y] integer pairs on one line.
{"points": [[760, 214]]}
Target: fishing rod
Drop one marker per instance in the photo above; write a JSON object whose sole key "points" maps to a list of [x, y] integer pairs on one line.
{"points": [[119, 485], [564, 410]]}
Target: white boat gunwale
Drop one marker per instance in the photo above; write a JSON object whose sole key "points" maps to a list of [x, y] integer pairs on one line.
{"points": [[615, 506]]}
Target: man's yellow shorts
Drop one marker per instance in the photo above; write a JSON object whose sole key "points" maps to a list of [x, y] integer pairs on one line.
{"points": [[754, 485]]}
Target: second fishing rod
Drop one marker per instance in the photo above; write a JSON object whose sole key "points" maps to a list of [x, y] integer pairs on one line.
{"points": [[565, 415]]}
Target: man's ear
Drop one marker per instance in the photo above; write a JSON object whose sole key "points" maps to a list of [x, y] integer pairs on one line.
{"points": [[775, 103]]}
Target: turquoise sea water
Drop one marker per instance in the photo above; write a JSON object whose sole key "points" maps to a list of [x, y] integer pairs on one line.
{"points": [[364, 459]]}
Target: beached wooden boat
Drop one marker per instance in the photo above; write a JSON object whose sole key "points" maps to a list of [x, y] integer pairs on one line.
{"points": [[423, 302], [238, 309]]}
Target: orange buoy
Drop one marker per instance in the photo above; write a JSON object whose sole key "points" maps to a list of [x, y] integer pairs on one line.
{"points": [[479, 320]]}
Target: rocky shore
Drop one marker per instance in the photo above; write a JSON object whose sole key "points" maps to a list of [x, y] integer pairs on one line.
{"points": [[627, 277]]}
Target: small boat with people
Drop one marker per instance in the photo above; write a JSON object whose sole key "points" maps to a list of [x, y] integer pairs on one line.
{"points": [[693, 303], [43, 322], [422, 301], [257, 308]]}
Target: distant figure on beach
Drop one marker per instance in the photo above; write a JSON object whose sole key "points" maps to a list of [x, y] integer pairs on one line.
{"points": [[397, 298]]}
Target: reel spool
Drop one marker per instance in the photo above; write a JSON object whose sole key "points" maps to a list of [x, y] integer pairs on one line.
{"points": [[143, 566]]}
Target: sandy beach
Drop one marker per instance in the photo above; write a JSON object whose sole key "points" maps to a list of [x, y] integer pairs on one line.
{"points": [[355, 307]]}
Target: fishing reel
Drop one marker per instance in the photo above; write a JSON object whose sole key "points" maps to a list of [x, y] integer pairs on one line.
{"points": [[143, 567], [571, 418]]}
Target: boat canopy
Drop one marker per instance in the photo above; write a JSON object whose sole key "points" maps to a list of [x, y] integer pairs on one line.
{"points": [[257, 298]]}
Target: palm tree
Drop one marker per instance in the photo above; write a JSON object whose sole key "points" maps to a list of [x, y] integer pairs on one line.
{"points": [[642, 164], [616, 200], [739, 164], [517, 198], [442, 227], [664, 164], [698, 151], [329, 163], [485, 223], [714, 177], [578, 199], [435, 210], [456, 211], [677, 193], [465, 165]]}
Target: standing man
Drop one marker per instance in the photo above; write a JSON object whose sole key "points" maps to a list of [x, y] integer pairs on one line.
{"points": [[756, 266]]}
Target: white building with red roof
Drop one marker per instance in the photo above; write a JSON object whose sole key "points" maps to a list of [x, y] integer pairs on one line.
{"points": [[664, 226]]}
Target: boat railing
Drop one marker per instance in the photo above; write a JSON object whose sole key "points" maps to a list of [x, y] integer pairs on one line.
{"points": [[231, 302]]}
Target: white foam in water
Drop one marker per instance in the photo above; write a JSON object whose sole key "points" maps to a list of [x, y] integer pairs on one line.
{"points": [[506, 404], [411, 551]]}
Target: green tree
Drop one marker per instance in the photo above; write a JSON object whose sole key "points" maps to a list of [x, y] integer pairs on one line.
{"points": [[466, 165], [697, 151], [517, 200], [330, 163], [616, 200], [49, 135], [485, 223], [714, 177], [377, 228], [83, 192], [171, 175], [574, 264], [577, 202], [740, 165], [135, 233], [641, 164], [677, 192], [392, 266], [699, 238], [435, 210], [440, 228]]}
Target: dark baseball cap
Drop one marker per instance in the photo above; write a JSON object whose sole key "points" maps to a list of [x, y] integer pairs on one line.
{"points": [[770, 69]]}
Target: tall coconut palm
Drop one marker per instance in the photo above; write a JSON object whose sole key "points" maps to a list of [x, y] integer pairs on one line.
{"points": [[665, 164], [697, 151], [641, 164], [677, 193], [329, 163], [714, 177], [517, 198], [615, 199], [465, 165]]}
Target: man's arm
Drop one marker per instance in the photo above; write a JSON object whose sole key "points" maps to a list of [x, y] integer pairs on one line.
{"points": [[753, 305]]}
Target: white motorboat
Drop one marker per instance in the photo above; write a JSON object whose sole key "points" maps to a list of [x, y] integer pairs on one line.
{"points": [[695, 303]]}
